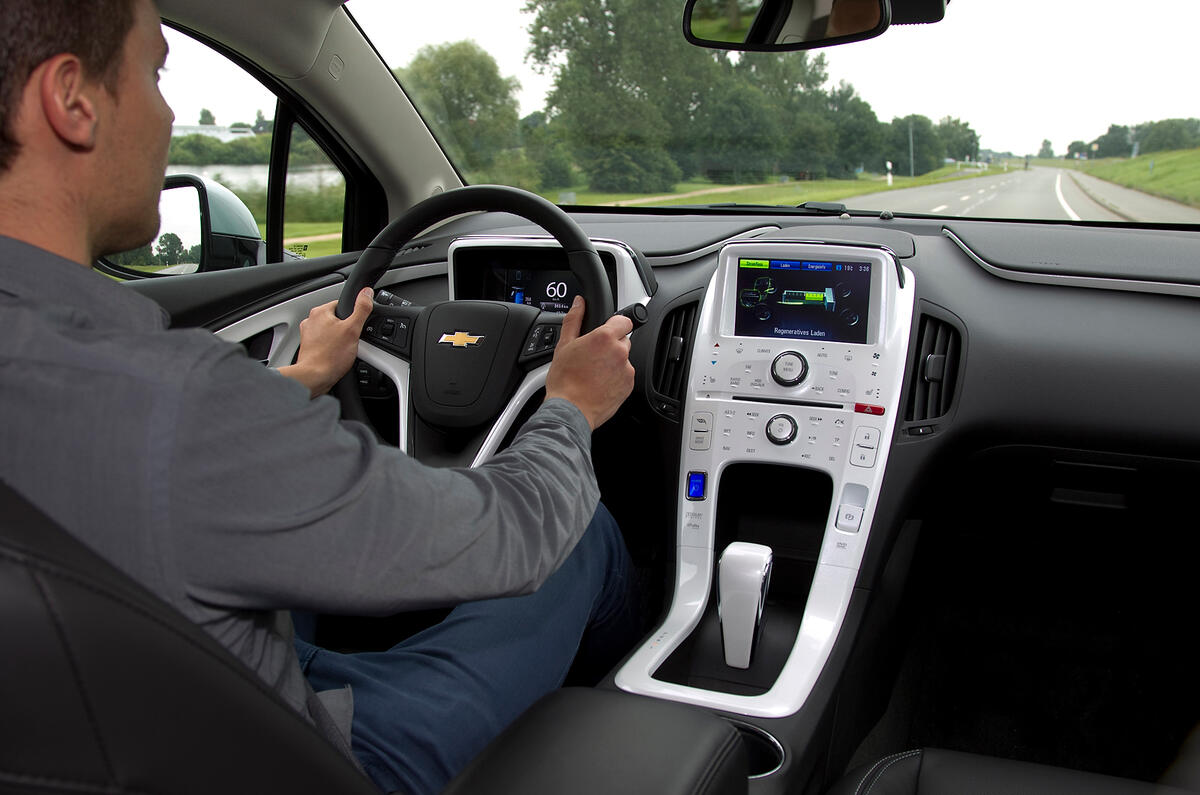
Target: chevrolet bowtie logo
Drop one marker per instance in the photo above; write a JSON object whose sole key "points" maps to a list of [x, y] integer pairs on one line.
{"points": [[460, 339]]}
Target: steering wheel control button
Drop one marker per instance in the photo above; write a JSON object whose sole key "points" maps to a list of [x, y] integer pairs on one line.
{"points": [[781, 429], [697, 485], [789, 368], [867, 408], [849, 518], [541, 340]]}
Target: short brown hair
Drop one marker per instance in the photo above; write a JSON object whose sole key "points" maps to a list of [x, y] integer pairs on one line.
{"points": [[35, 30]]}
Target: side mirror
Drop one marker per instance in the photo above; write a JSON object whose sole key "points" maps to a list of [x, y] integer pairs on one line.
{"points": [[780, 25], [204, 227]]}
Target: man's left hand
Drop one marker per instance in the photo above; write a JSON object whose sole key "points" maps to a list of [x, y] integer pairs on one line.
{"points": [[328, 345]]}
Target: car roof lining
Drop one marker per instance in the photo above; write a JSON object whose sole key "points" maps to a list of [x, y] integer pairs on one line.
{"points": [[298, 28]]}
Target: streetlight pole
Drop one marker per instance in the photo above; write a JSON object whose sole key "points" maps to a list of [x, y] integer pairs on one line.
{"points": [[912, 168]]}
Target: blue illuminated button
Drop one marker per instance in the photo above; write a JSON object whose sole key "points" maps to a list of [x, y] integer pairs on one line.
{"points": [[697, 485]]}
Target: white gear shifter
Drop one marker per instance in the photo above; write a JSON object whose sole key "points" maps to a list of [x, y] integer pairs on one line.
{"points": [[743, 575]]}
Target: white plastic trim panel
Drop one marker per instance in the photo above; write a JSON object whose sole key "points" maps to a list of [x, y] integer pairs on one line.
{"points": [[731, 388], [535, 380]]}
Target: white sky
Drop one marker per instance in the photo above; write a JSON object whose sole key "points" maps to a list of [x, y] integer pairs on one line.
{"points": [[1017, 71]]}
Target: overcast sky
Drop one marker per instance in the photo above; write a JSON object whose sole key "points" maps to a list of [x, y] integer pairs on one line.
{"points": [[1017, 71]]}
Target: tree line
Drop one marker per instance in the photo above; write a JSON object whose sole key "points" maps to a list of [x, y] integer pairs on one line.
{"points": [[636, 108], [1123, 140]]}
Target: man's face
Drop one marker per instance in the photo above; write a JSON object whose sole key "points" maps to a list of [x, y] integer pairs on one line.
{"points": [[132, 141]]}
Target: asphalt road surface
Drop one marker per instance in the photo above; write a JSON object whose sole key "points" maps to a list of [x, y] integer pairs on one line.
{"points": [[1042, 193]]}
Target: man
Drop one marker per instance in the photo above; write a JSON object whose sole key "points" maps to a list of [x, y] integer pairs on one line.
{"points": [[229, 491]]}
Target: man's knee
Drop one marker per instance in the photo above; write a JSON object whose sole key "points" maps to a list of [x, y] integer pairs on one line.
{"points": [[602, 541]]}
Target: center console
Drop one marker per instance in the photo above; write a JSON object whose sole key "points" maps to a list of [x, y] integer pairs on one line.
{"points": [[791, 403]]}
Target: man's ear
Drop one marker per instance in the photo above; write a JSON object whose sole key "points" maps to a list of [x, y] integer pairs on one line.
{"points": [[68, 100]]}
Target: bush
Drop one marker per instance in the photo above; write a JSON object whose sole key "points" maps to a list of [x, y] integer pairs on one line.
{"points": [[632, 170]]}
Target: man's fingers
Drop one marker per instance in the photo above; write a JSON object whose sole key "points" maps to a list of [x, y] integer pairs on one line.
{"points": [[572, 322], [620, 325], [363, 304]]}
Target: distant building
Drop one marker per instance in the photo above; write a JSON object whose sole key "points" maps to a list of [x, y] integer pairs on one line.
{"points": [[225, 134]]}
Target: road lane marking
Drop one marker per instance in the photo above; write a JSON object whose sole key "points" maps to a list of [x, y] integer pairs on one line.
{"points": [[980, 191], [964, 198], [939, 208], [1058, 192]]}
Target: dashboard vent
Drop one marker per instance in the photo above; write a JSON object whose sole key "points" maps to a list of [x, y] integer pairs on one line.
{"points": [[935, 370], [672, 357]]}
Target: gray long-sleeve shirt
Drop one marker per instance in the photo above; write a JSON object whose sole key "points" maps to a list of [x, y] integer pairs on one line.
{"points": [[222, 487]]}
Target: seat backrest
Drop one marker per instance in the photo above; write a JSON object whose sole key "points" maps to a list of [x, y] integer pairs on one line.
{"points": [[105, 687]]}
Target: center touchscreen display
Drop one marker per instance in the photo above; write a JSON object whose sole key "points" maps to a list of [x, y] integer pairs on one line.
{"points": [[803, 299]]}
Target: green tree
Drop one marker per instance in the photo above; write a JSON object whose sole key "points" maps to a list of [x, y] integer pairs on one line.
{"points": [[546, 147], [1047, 150], [262, 124], [927, 148], [627, 87], [746, 137], [1077, 148], [1157, 136], [206, 117], [169, 250], [459, 88], [860, 134], [961, 142], [1114, 143]]}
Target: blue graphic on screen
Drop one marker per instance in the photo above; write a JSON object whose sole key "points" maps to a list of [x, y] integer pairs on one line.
{"points": [[803, 299]]}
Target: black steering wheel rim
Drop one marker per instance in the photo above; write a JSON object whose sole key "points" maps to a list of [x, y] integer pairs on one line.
{"points": [[582, 257]]}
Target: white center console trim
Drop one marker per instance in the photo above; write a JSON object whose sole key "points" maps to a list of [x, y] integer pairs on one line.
{"points": [[731, 390]]}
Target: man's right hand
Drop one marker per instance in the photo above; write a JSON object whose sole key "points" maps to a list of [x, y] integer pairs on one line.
{"points": [[592, 371]]}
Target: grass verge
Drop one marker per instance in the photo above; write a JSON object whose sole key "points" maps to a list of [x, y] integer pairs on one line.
{"points": [[784, 193], [1171, 175]]}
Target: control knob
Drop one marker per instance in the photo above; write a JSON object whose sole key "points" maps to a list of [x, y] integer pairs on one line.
{"points": [[781, 429], [789, 368]]}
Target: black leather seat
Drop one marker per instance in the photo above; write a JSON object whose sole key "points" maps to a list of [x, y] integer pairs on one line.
{"points": [[105, 688], [938, 772]]}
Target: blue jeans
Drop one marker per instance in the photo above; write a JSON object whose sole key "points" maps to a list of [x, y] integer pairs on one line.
{"points": [[428, 705]]}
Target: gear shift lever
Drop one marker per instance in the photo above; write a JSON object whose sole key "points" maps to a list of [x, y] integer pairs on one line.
{"points": [[744, 572]]}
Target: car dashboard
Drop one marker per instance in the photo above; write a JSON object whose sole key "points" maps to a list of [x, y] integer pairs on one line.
{"points": [[890, 404]]}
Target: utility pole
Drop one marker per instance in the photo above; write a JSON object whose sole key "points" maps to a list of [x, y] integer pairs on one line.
{"points": [[911, 166]]}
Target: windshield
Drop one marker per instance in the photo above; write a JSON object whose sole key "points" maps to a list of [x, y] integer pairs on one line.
{"points": [[1015, 109]]}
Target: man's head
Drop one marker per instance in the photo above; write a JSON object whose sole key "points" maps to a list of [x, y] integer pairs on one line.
{"points": [[82, 123]]}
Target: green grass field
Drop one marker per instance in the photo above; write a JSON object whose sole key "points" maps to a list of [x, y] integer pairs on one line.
{"points": [[302, 229], [1172, 175]]}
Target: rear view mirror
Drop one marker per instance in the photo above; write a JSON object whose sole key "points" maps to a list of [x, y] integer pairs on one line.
{"points": [[778, 25]]}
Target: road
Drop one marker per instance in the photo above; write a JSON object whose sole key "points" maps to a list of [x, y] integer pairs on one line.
{"points": [[1042, 193]]}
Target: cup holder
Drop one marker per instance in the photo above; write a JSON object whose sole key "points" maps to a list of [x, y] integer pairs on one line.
{"points": [[764, 754]]}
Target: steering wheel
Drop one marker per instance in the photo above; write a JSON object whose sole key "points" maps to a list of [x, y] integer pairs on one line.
{"points": [[466, 358]]}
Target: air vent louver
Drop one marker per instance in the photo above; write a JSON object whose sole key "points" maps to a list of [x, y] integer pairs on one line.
{"points": [[672, 356], [931, 391]]}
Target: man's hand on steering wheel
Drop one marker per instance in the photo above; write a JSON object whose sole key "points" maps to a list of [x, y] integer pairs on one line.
{"points": [[592, 371], [328, 345]]}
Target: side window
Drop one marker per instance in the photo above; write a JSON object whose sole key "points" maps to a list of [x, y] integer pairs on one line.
{"points": [[222, 144], [314, 199]]}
